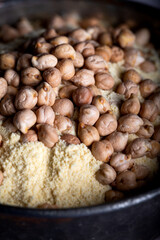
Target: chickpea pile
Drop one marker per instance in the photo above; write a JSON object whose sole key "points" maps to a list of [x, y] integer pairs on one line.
{"points": [[54, 83]]}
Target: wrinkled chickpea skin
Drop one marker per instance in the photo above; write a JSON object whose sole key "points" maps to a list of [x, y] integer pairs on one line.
{"points": [[101, 104], [126, 181], [47, 135], [46, 95], [106, 124], [26, 98], [118, 140], [89, 114], [63, 124], [102, 150], [45, 114], [120, 162], [64, 107], [87, 134], [81, 96], [30, 136], [66, 91], [106, 174], [70, 139]]}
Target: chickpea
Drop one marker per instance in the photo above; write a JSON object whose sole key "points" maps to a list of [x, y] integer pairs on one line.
{"points": [[105, 38], [56, 22], [26, 98], [91, 21], [120, 162], [126, 38], [130, 123], [139, 147], [1, 177], [47, 135], [70, 139], [132, 105], [24, 61], [101, 104], [8, 124], [52, 76], [12, 91], [104, 81], [7, 61], [63, 124], [45, 114], [3, 87], [7, 106], [79, 60], [95, 63], [102, 150], [85, 48], [66, 68], [146, 130], [106, 174], [141, 171], [106, 124], [87, 134], [50, 33], [66, 91], [155, 149], [126, 181], [94, 31], [31, 76], [142, 36], [81, 96], [43, 47], [24, 26], [127, 88], [112, 196], [117, 55], [132, 75], [105, 52], [43, 62], [149, 110], [30, 136], [94, 90], [156, 135], [8, 33], [148, 66], [147, 87], [80, 35], [46, 95], [84, 77], [89, 114], [133, 57], [12, 77], [24, 120], [58, 40], [64, 107], [156, 99], [64, 51], [118, 140]]}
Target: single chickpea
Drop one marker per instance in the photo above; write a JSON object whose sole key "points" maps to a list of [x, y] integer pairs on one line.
{"points": [[84, 77], [126, 38], [12, 77], [3, 87], [101, 104], [94, 31], [24, 26], [70, 139], [126, 181], [90, 21], [120, 162], [30, 136], [81, 96], [104, 81], [64, 107], [95, 63], [56, 22], [146, 130], [46, 95], [141, 171], [52, 76], [105, 38], [43, 62], [85, 48], [132, 75], [132, 105], [47, 135], [130, 123], [31, 76], [94, 90], [142, 36], [49, 34], [156, 135], [24, 120], [147, 87], [88, 114], [106, 174], [8, 33], [155, 149], [43, 47], [58, 40], [1, 177], [139, 147], [63, 124], [127, 88], [12, 91], [7, 106], [149, 110], [66, 91], [105, 52], [79, 35], [133, 57], [106, 124], [113, 196], [45, 114], [7, 61], [64, 51], [155, 97], [117, 55], [66, 68], [148, 66], [26, 98], [87, 134], [79, 60], [8, 124], [24, 61], [118, 140], [102, 150]]}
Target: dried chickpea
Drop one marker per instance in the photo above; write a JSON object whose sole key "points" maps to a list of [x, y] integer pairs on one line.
{"points": [[64, 51], [7, 61], [66, 91], [47, 135], [8, 124], [126, 38], [1, 177], [12, 91], [126, 181], [26, 98], [118, 140], [112, 196], [117, 54], [101, 104], [80, 35], [43, 47], [132, 75], [66, 68], [141, 171], [146, 130], [106, 124], [50, 33], [120, 162], [24, 120], [45, 114], [63, 124], [56, 22], [24, 26], [156, 135], [31, 76], [3, 87], [155, 97], [130, 123], [70, 139], [58, 40], [43, 62], [79, 60], [88, 114], [104, 81], [149, 110], [12, 77], [7, 106], [127, 88], [64, 107], [95, 63], [83, 77], [132, 105], [139, 147], [24, 61], [147, 87], [87, 134], [85, 48], [106, 174], [52, 76], [148, 66], [102, 150], [105, 39], [105, 52], [30, 136], [94, 31], [133, 57], [8, 33], [81, 96]]}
